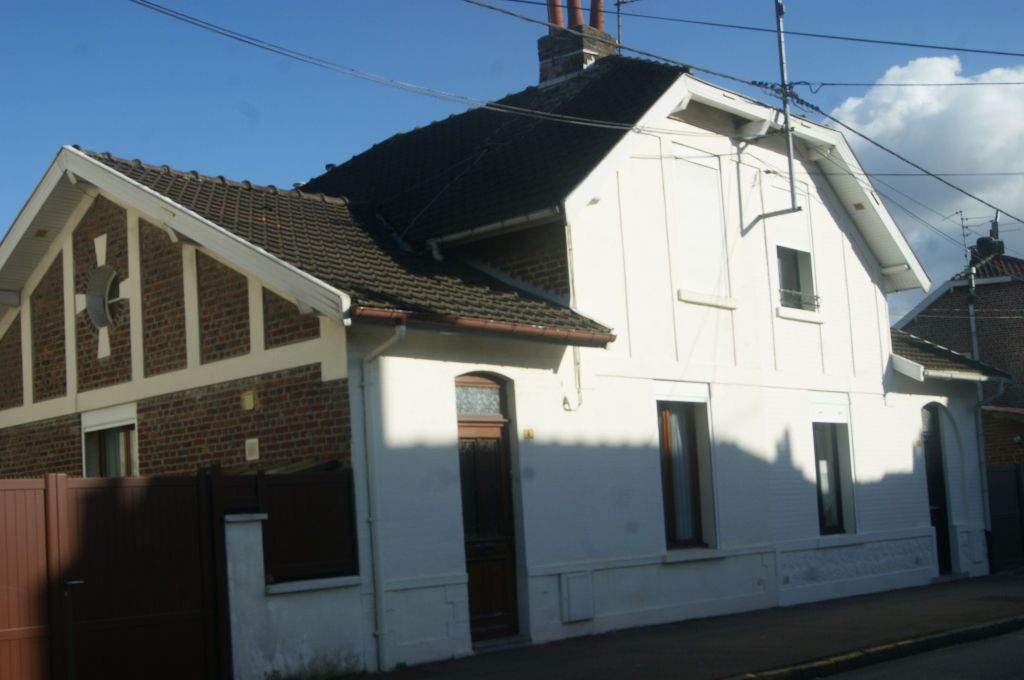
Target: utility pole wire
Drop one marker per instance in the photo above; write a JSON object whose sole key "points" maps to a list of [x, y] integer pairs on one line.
{"points": [[771, 88], [614, 43], [813, 107]]}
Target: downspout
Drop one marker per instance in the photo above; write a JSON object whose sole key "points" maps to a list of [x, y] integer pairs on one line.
{"points": [[380, 629], [979, 392]]}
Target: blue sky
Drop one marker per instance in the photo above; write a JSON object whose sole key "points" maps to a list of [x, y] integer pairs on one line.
{"points": [[110, 75]]}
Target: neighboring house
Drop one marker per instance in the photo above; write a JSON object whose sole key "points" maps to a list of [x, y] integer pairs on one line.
{"points": [[997, 308], [588, 376]]}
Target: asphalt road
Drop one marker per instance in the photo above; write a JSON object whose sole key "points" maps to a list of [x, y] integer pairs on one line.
{"points": [[1000, 658]]}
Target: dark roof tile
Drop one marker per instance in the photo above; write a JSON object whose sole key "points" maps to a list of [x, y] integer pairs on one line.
{"points": [[323, 237], [938, 358], [482, 166]]}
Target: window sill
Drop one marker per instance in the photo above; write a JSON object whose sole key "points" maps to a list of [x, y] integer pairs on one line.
{"points": [[794, 314], [698, 554], [240, 518], [313, 584], [706, 300], [695, 554]]}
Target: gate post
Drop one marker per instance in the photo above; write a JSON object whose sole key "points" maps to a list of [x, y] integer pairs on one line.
{"points": [[56, 523]]}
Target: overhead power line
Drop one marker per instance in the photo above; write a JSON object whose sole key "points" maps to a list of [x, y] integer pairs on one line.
{"points": [[469, 101], [815, 86], [813, 107], [614, 43], [773, 89], [399, 84], [803, 34]]}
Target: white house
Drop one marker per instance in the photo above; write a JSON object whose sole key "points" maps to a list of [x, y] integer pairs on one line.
{"points": [[590, 367]]}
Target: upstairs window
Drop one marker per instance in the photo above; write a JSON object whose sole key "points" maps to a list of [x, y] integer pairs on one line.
{"points": [[796, 279]]}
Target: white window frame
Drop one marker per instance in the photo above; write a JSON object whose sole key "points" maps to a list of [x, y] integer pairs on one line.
{"points": [[694, 393], [110, 418], [834, 409]]}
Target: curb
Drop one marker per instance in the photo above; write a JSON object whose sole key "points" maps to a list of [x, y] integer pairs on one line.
{"points": [[868, 656]]}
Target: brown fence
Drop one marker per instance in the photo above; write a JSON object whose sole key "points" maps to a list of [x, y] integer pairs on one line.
{"points": [[310, 531], [126, 578], [1006, 503]]}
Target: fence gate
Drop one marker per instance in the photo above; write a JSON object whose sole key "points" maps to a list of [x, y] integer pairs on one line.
{"points": [[1006, 502], [109, 578]]}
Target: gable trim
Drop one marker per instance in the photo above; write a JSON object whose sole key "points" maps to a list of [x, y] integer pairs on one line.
{"points": [[164, 212]]}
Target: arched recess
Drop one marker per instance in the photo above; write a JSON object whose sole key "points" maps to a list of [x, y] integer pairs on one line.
{"points": [[936, 470], [488, 518]]}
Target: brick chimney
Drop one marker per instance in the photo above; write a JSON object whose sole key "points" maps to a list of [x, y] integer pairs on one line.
{"points": [[566, 52]]}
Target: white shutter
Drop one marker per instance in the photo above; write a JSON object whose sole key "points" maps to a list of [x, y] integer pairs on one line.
{"points": [[703, 251]]}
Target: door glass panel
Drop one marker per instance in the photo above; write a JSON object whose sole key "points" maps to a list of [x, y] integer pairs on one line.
{"points": [[477, 401]]}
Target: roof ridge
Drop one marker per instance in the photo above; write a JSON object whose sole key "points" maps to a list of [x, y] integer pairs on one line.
{"points": [[579, 81], [218, 179]]}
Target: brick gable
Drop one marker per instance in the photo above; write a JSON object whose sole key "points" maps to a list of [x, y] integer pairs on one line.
{"points": [[103, 218], [11, 386], [223, 310], [49, 377], [163, 302], [283, 324]]}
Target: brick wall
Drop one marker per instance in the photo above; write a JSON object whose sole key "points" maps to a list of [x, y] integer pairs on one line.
{"points": [[37, 448], [47, 320], [537, 256], [945, 321], [1000, 326], [163, 302], [297, 417], [999, 445], [283, 324], [223, 310], [11, 389], [102, 218]]}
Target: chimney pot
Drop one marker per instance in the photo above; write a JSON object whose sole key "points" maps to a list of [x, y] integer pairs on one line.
{"points": [[597, 14], [554, 16], [575, 13]]}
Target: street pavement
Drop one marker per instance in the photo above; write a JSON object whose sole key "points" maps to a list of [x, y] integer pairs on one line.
{"points": [[838, 634], [999, 658]]}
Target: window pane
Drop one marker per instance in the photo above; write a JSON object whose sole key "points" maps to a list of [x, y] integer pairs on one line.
{"points": [[680, 465], [108, 453], [92, 458], [477, 401], [826, 455]]}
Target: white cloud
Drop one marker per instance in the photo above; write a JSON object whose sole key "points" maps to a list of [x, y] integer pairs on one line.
{"points": [[944, 129]]}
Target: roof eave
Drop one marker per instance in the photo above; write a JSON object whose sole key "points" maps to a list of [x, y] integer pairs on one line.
{"points": [[919, 373], [534, 332], [829, 146]]}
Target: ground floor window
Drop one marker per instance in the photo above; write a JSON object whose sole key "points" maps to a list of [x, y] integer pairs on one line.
{"points": [[685, 472], [834, 477], [111, 452]]}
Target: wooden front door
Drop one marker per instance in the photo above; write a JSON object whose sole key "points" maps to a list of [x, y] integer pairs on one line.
{"points": [[489, 529]]}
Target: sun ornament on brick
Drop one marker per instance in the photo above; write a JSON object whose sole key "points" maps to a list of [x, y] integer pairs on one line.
{"points": [[102, 290]]}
